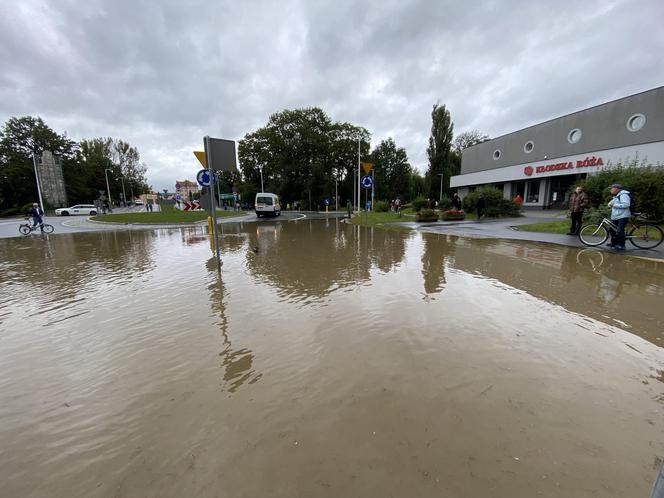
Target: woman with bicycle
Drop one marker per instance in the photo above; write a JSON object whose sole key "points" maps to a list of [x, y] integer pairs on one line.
{"points": [[620, 214]]}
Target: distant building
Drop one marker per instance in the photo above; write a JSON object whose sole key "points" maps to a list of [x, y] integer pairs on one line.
{"points": [[541, 163], [184, 187], [52, 180]]}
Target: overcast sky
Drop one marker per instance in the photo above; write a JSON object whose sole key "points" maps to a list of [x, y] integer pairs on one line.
{"points": [[162, 74]]}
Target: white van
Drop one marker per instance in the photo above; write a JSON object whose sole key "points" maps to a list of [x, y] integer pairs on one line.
{"points": [[267, 204]]}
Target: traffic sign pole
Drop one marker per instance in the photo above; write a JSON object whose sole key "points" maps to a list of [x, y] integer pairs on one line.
{"points": [[208, 160]]}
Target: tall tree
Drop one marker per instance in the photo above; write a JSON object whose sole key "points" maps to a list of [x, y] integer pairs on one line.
{"points": [[440, 142], [468, 139], [393, 173]]}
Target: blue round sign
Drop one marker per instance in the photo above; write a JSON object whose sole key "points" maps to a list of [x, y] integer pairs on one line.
{"points": [[327, 202], [203, 178], [367, 181]]}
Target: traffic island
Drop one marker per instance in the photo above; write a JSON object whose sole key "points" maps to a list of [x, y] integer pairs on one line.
{"points": [[166, 218]]}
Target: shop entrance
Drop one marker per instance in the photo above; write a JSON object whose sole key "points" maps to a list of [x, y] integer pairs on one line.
{"points": [[518, 188], [559, 190]]}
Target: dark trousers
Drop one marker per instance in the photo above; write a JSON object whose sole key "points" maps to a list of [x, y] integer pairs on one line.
{"points": [[479, 212], [618, 236], [577, 218]]}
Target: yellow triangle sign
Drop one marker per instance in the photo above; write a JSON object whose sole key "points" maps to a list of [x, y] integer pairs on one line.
{"points": [[367, 167], [200, 155]]}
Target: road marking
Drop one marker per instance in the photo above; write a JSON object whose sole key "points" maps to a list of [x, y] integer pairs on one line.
{"points": [[298, 219]]}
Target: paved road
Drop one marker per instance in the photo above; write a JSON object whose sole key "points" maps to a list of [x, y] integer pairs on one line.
{"points": [[72, 224]]}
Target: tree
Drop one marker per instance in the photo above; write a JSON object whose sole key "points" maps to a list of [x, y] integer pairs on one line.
{"points": [[438, 151], [301, 153], [468, 139], [392, 171], [20, 139]]}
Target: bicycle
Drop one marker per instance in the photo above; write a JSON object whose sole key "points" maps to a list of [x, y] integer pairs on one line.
{"points": [[27, 228], [638, 231]]}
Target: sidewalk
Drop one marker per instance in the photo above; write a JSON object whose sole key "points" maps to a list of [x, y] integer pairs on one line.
{"points": [[507, 228]]}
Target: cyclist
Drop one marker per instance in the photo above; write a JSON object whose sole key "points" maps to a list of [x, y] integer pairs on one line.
{"points": [[620, 215], [36, 213]]}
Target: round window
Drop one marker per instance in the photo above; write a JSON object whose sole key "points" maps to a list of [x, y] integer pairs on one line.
{"points": [[529, 146], [496, 154], [574, 136], [636, 122]]}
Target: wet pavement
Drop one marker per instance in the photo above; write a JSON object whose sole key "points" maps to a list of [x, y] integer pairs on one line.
{"points": [[326, 360]]}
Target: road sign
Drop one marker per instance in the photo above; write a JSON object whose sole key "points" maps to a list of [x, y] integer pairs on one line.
{"points": [[190, 206], [204, 201], [327, 202], [367, 167], [178, 197], [200, 155], [203, 178], [367, 181], [221, 154]]}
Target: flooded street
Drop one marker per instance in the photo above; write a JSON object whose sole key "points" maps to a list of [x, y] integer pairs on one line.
{"points": [[328, 360]]}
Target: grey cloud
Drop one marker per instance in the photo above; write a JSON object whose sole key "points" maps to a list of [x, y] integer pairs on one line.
{"points": [[163, 74]]}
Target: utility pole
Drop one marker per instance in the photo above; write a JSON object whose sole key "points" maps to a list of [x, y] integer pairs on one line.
{"points": [[260, 168], [108, 191], [34, 163], [441, 187], [359, 191]]}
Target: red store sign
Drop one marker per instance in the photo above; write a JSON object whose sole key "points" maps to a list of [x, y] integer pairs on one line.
{"points": [[585, 163]]}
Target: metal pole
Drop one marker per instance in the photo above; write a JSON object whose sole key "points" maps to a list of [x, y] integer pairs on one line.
{"points": [[218, 190], [108, 191], [441, 186], [373, 185], [336, 193], [34, 163], [124, 195], [260, 168], [359, 192], [213, 208]]}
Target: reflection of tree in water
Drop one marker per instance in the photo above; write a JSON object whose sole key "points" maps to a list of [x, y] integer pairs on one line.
{"points": [[237, 364], [436, 248], [313, 258], [72, 261]]}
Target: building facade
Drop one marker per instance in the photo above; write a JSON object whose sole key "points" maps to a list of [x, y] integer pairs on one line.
{"points": [[51, 180], [540, 163], [183, 188]]}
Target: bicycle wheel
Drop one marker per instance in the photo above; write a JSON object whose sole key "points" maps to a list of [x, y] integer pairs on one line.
{"points": [[646, 236], [593, 235], [24, 229], [47, 228]]}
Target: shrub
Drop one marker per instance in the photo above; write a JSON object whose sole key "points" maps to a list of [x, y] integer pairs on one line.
{"points": [[496, 204], [445, 204], [381, 207], [167, 208], [426, 215], [453, 214], [419, 203]]}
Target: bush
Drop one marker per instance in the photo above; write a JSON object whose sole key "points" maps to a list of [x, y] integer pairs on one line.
{"points": [[496, 204], [167, 208], [381, 207], [426, 215], [644, 182], [419, 203], [453, 214], [445, 204]]}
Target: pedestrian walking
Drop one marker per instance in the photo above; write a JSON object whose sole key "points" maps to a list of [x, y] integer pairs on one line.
{"points": [[480, 205], [456, 201], [620, 214], [577, 204], [349, 208]]}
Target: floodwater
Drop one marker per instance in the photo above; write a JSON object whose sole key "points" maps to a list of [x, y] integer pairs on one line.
{"points": [[328, 361]]}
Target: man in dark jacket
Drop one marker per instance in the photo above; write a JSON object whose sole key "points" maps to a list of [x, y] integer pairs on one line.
{"points": [[456, 202], [480, 205], [36, 213], [577, 204]]}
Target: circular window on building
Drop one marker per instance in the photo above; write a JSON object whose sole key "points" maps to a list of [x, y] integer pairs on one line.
{"points": [[636, 122], [574, 136], [496, 154], [529, 146]]}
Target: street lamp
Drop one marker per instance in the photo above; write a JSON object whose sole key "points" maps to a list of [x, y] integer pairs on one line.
{"points": [[108, 190], [441, 186], [260, 168], [124, 195]]}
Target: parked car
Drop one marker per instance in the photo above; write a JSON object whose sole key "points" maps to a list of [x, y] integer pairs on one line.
{"points": [[88, 209], [139, 202], [267, 205]]}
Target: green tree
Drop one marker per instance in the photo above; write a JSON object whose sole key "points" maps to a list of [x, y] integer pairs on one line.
{"points": [[20, 139], [393, 173], [440, 141]]}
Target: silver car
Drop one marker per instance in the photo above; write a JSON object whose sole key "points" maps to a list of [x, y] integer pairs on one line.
{"points": [[87, 209]]}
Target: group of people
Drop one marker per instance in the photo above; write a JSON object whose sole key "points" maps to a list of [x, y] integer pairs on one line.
{"points": [[621, 211]]}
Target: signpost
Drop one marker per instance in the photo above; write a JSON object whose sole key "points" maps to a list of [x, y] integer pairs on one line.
{"points": [[193, 205], [327, 204], [367, 182], [203, 177]]}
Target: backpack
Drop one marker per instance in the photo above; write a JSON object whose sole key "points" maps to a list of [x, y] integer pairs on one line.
{"points": [[632, 203]]}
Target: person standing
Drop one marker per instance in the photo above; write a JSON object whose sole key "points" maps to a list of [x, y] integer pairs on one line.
{"points": [[518, 200], [577, 204], [620, 214], [456, 201], [36, 213], [480, 205]]}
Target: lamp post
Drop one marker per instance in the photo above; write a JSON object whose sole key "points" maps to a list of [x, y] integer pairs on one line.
{"points": [[441, 186], [260, 168], [108, 190], [124, 195], [34, 163]]}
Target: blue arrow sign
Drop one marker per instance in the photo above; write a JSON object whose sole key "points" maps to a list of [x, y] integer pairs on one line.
{"points": [[327, 202], [367, 181], [203, 178]]}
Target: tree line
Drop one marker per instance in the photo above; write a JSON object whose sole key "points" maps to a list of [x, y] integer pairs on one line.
{"points": [[306, 157], [84, 165]]}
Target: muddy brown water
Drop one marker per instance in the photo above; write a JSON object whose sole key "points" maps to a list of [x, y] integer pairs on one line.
{"points": [[328, 360]]}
